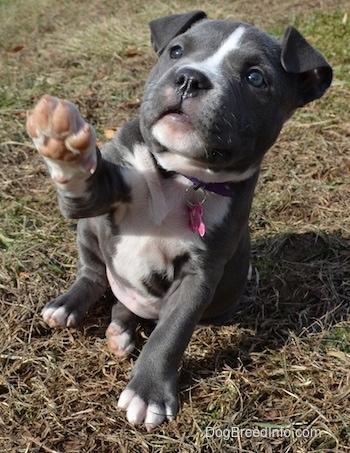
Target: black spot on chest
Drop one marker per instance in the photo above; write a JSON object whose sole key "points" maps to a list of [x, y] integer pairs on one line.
{"points": [[158, 283], [114, 228]]}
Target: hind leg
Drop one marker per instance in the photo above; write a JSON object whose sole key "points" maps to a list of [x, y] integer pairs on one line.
{"points": [[121, 331]]}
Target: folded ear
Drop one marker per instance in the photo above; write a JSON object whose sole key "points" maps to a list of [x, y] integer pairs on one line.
{"points": [[314, 75], [163, 30]]}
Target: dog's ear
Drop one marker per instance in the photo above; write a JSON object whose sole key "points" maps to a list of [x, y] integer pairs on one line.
{"points": [[163, 30], [313, 73]]}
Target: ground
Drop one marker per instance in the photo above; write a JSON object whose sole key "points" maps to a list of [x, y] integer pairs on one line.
{"points": [[277, 378]]}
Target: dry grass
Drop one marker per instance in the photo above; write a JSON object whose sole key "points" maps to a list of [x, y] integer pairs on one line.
{"points": [[285, 360]]}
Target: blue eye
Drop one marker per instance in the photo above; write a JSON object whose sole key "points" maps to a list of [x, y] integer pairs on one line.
{"points": [[176, 52], [255, 78]]}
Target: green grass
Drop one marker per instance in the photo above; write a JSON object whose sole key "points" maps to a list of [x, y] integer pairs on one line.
{"points": [[338, 338]]}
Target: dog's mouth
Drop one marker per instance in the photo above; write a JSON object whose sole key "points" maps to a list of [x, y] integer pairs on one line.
{"points": [[182, 119], [178, 134], [175, 131], [176, 115]]}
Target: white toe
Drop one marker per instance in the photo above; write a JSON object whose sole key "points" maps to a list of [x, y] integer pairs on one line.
{"points": [[154, 416], [170, 413], [58, 317], [125, 398], [46, 314], [55, 317], [137, 410]]}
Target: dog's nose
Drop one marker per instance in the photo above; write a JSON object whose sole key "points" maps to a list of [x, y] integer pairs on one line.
{"points": [[189, 82]]}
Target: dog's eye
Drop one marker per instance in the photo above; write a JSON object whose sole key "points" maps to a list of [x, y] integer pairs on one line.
{"points": [[255, 78], [176, 52]]}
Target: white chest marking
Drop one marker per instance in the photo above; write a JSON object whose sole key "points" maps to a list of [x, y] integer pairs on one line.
{"points": [[154, 231]]}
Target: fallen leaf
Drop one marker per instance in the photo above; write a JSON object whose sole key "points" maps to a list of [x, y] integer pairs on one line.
{"points": [[18, 48], [109, 133], [22, 115], [132, 52], [129, 104], [89, 92]]}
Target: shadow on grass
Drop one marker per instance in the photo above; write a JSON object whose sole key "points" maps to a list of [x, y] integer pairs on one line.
{"points": [[300, 284]]}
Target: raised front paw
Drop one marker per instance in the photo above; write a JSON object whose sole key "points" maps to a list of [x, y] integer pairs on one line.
{"points": [[63, 138], [149, 400]]}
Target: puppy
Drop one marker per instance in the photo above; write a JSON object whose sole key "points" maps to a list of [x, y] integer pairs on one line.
{"points": [[164, 206]]}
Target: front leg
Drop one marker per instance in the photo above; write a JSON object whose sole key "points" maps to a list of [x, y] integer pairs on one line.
{"points": [[87, 185], [66, 142], [70, 308], [151, 396]]}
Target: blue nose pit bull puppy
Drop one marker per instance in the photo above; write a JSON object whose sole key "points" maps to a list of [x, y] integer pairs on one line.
{"points": [[164, 207]]}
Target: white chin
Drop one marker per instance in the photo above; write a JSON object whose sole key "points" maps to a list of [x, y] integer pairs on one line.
{"points": [[178, 135]]}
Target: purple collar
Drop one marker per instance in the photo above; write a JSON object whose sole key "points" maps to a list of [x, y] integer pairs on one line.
{"points": [[220, 188]]}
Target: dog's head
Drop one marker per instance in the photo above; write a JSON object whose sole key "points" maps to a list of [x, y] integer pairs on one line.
{"points": [[220, 92]]}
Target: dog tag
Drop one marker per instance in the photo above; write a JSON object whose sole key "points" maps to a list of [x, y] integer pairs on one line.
{"points": [[196, 219], [195, 197]]}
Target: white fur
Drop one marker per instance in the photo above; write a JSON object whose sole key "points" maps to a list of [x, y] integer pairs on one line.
{"points": [[154, 416], [187, 166], [58, 317], [177, 138], [146, 307], [137, 411], [211, 65], [135, 406], [121, 343], [155, 231], [74, 173]]}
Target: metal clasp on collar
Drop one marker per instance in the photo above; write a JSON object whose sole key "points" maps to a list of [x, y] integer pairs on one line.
{"points": [[195, 195]]}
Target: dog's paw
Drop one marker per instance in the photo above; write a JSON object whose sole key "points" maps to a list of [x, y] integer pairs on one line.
{"points": [[120, 342], [63, 138], [57, 313], [153, 402]]}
